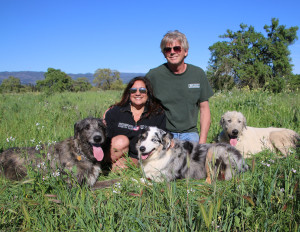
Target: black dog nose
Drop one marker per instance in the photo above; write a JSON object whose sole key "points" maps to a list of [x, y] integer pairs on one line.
{"points": [[142, 149], [97, 138], [235, 132]]}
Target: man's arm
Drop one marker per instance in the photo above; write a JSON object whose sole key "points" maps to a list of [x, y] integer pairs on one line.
{"points": [[204, 121]]}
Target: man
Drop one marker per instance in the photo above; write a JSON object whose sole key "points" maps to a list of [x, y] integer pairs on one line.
{"points": [[183, 90]]}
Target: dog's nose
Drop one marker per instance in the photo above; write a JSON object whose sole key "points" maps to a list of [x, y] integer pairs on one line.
{"points": [[142, 149], [97, 138], [235, 132]]}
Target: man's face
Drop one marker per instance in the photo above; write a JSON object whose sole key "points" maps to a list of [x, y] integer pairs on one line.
{"points": [[175, 53]]}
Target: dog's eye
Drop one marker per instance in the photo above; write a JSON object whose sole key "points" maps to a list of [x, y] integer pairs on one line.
{"points": [[87, 127], [239, 121], [229, 120], [155, 140]]}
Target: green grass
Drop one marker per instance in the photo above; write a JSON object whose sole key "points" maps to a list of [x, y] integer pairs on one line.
{"points": [[266, 198]]}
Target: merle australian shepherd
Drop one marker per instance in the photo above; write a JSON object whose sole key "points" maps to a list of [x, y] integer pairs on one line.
{"points": [[164, 158]]}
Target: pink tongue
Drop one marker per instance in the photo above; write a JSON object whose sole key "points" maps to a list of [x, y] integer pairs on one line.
{"points": [[98, 153], [144, 157], [233, 142]]}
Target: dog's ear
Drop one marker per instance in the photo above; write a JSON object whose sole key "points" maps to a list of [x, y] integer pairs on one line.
{"points": [[76, 130], [102, 125], [167, 140], [222, 121], [244, 122]]}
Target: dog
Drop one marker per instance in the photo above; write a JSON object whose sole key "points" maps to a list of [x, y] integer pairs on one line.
{"points": [[251, 140], [162, 157], [81, 155]]}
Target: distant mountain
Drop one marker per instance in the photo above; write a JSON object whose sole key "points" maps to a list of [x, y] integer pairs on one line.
{"points": [[30, 77]]}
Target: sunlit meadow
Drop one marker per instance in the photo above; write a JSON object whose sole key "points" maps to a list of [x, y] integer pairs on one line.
{"points": [[266, 198]]}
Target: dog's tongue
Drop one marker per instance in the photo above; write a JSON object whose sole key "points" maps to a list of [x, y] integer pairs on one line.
{"points": [[98, 153], [233, 142], [145, 156]]}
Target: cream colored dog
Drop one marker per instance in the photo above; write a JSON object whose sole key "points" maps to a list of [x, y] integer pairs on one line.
{"points": [[251, 140]]}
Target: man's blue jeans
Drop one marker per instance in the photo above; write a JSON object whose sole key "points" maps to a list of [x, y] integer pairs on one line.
{"points": [[190, 136]]}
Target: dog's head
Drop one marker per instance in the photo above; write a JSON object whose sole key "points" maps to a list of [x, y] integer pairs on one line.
{"points": [[150, 140], [233, 123], [91, 132]]}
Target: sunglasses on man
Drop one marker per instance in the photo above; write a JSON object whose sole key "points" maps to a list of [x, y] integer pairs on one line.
{"points": [[141, 90], [176, 49]]}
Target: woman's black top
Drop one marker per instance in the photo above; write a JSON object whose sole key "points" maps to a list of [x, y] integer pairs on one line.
{"points": [[120, 121]]}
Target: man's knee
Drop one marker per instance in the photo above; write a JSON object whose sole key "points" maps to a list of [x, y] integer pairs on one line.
{"points": [[120, 142], [119, 147]]}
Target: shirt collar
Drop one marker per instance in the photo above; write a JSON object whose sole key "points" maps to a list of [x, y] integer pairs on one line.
{"points": [[128, 109]]}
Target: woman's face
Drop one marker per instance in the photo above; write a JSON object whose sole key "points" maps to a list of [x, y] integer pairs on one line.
{"points": [[138, 98]]}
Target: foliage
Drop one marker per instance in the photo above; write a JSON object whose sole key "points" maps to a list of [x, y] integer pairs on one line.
{"points": [[81, 84], [266, 198], [251, 59], [11, 84], [293, 82], [55, 81], [107, 79]]}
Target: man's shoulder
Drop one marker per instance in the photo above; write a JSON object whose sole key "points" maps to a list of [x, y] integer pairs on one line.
{"points": [[194, 68], [159, 68]]}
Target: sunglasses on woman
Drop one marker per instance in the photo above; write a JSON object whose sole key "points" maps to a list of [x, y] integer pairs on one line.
{"points": [[176, 49], [141, 90]]}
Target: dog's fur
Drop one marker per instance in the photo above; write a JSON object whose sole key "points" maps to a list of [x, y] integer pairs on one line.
{"points": [[162, 157], [81, 154], [251, 140]]}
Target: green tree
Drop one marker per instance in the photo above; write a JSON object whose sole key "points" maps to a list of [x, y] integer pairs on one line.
{"points": [[106, 78], [11, 84], [251, 59], [55, 81], [81, 84]]}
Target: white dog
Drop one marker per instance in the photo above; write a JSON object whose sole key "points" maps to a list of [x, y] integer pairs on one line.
{"points": [[251, 140]]}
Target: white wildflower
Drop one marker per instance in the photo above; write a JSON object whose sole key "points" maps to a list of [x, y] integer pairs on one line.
{"points": [[190, 190], [55, 174], [134, 180], [37, 124], [118, 185], [282, 190], [294, 170]]}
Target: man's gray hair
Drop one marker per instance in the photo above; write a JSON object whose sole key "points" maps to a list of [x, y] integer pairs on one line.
{"points": [[172, 36]]}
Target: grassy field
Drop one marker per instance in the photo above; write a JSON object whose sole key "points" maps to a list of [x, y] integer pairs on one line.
{"points": [[266, 198]]}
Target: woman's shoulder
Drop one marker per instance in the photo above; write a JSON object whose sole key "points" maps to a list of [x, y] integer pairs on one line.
{"points": [[113, 112]]}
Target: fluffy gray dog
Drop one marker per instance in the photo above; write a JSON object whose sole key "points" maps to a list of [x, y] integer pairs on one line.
{"points": [[82, 154]]}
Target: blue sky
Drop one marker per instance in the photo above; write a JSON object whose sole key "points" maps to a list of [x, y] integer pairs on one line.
{"points": [[80, 36]]}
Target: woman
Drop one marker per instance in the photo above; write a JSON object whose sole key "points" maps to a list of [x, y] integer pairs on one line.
{"points": [[125, 120]]}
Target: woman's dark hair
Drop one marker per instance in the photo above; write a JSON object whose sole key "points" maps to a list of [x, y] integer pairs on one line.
{"points": [[153, 106]]}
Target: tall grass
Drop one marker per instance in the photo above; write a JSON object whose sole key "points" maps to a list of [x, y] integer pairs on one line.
{"points": [[266, 198]]}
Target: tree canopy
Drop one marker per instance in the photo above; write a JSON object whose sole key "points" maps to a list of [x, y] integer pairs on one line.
{"points": [[248, 58], [81, 84], [107, 79], [55, 81], [11, 84]]}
